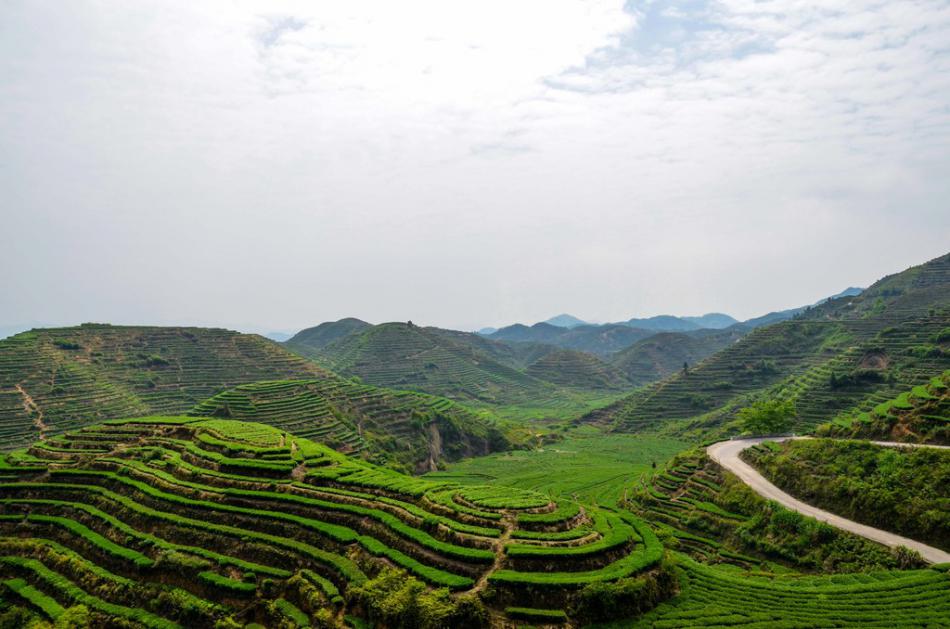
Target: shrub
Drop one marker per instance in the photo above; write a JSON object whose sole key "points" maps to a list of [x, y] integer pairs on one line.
{"points": [[395, 599]]}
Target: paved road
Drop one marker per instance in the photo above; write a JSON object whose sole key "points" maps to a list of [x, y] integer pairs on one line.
{"points": [[726, 454]]}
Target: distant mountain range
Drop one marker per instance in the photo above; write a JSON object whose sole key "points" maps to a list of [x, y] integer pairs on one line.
{"points": [[570, 332], [518, 363], [841, 356]]}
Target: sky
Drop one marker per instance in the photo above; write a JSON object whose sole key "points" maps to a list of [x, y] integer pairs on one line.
{"points": [[271, 165]]}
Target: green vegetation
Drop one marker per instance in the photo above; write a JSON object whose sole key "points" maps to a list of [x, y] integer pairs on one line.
{"points": [[661, 355], [919, 415], [393, 428], [587, 464], [281, 500], [709, 514], [179, 521], [768, 417], [515, 381], [56, 380], [904, 490], [711, 596], [842, 358]]}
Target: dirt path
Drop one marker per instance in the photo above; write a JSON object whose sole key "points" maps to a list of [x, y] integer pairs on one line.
{"points": [[32, 408], [726, 454], [508, 521]]}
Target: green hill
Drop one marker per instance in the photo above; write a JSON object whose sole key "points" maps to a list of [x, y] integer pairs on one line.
{"points": [[411, 430], [318, 337], [54, 380], [660, 355], [174, 521], [516, 380], [577, 369], [844, 356]]}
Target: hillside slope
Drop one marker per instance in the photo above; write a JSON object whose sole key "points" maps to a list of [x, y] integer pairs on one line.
{"points": [[901, 490], [53, 380], [469, 368], [660, 355], [413, 431], [844, 356], [920, 415]]}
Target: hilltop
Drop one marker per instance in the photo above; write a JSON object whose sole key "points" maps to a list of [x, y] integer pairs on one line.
{"points": [[318, 337], [566, 321], [845, 355]]}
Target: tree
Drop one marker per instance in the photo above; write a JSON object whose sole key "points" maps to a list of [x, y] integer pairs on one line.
{"points": [[768, 417]]}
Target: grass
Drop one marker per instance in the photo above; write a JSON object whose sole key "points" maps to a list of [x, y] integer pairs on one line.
{"points": [[592, 466]]}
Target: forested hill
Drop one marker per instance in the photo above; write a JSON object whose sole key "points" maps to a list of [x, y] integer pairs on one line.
{"points": [[844, 356]]}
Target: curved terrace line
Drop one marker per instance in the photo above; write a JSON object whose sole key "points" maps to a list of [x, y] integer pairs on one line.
{"points": [[726, 454]]}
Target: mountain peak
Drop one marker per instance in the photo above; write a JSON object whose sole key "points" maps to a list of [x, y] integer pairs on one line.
{"points": [[565, 321]]}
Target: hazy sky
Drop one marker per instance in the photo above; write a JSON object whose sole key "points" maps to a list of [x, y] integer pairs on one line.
{"points": [[272, 165]]}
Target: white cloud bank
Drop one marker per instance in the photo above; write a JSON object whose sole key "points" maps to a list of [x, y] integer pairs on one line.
{"points": [[279, 164]]}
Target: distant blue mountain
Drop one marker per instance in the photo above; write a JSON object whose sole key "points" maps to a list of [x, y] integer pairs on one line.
{"points": [[663, 323], [712, 320], [784, 315], [566, 321]]}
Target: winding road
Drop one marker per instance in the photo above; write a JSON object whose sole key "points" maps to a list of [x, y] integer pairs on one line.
{"points": [[726, 454]]}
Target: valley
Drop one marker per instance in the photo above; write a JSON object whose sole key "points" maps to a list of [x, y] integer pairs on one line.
{"points": [[560, 474]]}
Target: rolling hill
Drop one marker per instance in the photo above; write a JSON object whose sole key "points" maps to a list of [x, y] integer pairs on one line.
{"points": [[660, 355], [539, 379], [845, 355], [316, 338], [56, 380]]}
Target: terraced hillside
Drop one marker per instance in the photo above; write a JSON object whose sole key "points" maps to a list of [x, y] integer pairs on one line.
{"points": [[413, 431], [181, 521], [709, 514], [711, 597], [600, 340], [54, 380], [468, 368], [902, 490], [661, 355], [577, 369], [843, 357], [920, 415]]}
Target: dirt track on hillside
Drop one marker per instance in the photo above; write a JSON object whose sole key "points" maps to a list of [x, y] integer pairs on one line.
{"points": [[726, 454]]}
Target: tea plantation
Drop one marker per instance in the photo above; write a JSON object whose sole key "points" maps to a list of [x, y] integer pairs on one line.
{"points": [[178, 521]]}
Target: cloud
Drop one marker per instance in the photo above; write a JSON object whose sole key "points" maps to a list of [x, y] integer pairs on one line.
{"points": [[464, 164]]}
